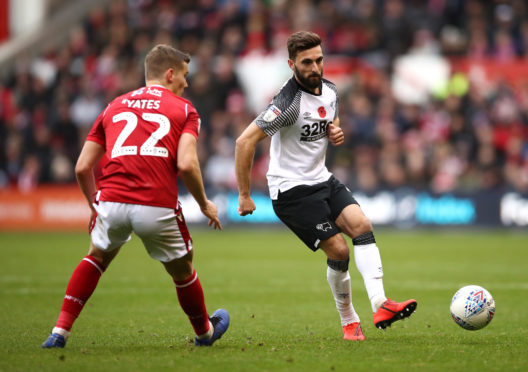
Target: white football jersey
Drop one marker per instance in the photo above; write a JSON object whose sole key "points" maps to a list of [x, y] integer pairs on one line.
{"points": [[297, 122]]}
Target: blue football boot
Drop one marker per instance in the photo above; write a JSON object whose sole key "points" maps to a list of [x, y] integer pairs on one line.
{"points": [[220, 322], [54, 340]]}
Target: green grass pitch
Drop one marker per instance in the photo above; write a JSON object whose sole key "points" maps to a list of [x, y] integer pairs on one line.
{"points": [[283, 317]]}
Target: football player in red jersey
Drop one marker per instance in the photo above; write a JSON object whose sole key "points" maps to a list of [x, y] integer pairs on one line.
{"points": [[149, 136]]}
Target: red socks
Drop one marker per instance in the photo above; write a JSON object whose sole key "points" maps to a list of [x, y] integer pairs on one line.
{"points": [[80, 287], [84, 281], [191, 297]]}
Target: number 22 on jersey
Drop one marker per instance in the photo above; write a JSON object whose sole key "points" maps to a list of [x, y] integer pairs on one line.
{"points": [[149, 146]]}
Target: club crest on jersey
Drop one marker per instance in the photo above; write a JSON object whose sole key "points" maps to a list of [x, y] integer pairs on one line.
{"points": [[323, 226], [154, 92], [271, 113], [322, 112]]}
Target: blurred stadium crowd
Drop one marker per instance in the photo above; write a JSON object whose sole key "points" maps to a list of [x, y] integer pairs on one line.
{"points": [[472, 136]]}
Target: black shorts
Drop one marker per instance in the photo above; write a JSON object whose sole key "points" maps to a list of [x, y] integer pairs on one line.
{"points": [[310, 211]]}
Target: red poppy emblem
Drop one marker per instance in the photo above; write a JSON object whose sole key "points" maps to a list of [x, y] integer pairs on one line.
{"points": [[322, 112]]}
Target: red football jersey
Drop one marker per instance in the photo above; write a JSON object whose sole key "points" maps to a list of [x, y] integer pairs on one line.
{"points": [[140, 131]]}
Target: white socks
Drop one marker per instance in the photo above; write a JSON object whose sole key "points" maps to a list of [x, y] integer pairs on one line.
{"points": [[207, 335], [340, 285], [368, 262], [61, 331]]}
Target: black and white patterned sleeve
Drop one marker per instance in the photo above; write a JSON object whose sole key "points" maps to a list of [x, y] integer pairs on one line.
{"points": [[283, 110], [334, 88]]}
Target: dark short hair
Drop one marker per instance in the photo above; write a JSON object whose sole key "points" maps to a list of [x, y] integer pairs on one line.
{"points": [[162, 57], [300, 41]]}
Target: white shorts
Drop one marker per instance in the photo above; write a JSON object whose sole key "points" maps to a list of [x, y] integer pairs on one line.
{"points": [[162, 230]]}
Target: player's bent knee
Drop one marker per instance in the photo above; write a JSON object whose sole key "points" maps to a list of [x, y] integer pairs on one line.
{"points": [[353, 222], [363, 226], [180, 268], [104, 258]]}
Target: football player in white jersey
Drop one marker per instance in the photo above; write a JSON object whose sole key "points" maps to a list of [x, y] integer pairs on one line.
{"points": [[301, 119]]}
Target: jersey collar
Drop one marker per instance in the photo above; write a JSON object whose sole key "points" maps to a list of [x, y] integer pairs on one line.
{"points": [[156, 85]]}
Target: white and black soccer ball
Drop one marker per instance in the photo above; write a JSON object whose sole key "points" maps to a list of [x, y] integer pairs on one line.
{"points": [[472, 307]]}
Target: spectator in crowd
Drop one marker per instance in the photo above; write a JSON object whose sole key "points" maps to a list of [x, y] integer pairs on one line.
{"points": [[474, 138]]}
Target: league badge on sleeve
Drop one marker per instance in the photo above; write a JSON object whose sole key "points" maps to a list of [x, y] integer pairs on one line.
{"points": [[271, 113]]}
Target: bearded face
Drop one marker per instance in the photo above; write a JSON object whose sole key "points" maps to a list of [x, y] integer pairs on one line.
{"points": [[308, 68], [311, 80]]}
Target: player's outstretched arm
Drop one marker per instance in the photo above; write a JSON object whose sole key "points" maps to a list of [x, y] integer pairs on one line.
{"points": [[191, 176], [244, 153], [335, 133]]}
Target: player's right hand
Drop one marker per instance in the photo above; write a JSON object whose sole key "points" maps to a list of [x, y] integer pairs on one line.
{"points": [[211, 211], [245, 205]]}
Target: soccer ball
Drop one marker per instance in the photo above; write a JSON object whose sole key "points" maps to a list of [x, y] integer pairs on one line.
{"points": [[472, 307]]}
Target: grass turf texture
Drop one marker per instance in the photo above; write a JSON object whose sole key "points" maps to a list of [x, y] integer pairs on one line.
{"points": [[282, 314]]}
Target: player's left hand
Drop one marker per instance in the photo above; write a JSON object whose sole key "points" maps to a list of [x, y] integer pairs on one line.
{"points": [[335, 135], [211, 211]]}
